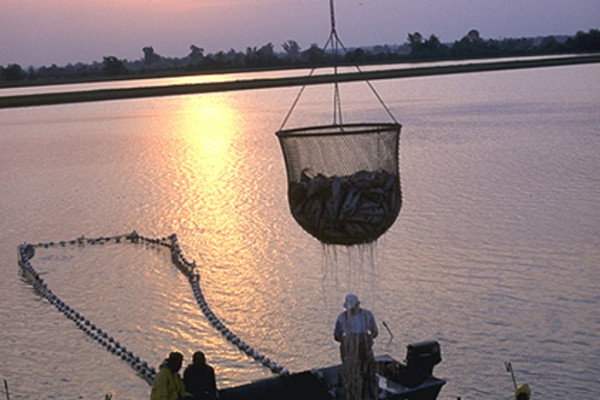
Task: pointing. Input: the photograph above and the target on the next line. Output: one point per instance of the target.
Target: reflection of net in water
(343, 179)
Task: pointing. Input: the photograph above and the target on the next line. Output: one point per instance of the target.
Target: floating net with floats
(343, 179)
(27, 251)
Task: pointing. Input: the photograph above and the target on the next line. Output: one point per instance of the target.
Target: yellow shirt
(168, 386)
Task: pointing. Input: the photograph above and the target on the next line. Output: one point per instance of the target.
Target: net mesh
(343, 180)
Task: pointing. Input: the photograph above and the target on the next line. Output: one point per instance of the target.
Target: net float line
(26, 252)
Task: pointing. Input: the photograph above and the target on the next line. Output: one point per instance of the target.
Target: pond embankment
(30, 100)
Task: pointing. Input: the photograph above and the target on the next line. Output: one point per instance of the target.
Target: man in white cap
(355, 329)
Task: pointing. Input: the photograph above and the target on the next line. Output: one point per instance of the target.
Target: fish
(350, 203)
(350, 209)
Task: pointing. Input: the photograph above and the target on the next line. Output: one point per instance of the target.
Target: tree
(250, 58)
(150, 57)
(235, 58)
(292, 50)
(473, 36)
(196, 53)
(585, 41)
(31, 73)
(434, 48)
(513, 47)
(549, 44)
(112, 66)
(471, 45)
(415, 41)
(266, 55)
(355, 55)
(12, 72)
(314, 54)
(220, 59)
(426, 48)
(379, 50)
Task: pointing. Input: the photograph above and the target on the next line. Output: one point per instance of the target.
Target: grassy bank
(31, 100)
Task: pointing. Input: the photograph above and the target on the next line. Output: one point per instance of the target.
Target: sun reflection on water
(209, 132)
(209, 128)
(219, 213)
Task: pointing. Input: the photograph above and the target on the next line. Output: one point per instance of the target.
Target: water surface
(495, 253)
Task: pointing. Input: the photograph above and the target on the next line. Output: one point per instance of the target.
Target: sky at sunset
(46, 32)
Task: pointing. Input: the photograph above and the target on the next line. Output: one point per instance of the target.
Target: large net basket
(343, 180)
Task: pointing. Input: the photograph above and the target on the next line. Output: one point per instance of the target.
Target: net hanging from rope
(343, 179)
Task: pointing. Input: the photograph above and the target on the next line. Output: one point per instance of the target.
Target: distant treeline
(417, 48)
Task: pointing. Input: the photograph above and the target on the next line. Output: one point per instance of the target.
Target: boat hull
(326, 384)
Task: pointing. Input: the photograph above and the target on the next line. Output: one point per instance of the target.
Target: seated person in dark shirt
(199, 378)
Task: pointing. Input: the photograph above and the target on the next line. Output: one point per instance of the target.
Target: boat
(409, 380)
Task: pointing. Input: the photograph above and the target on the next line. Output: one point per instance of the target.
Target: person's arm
(180, 387)
(373, 326)
(213, 383)
(338, 333)
(187, 378)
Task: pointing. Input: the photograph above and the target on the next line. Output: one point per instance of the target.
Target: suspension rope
(26, 251)
(385, 107)
(332, 15)
(334, 41)
(312, 71)
(333, 38)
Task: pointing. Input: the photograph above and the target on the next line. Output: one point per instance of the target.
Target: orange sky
(43, 32)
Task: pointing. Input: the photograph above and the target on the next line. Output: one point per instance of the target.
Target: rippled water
(495, 254)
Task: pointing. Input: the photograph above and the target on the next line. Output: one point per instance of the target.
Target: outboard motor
(421, 357)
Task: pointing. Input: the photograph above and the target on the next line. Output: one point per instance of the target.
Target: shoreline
(33, 100)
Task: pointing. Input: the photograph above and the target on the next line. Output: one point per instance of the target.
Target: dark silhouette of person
(199, 378)
(355, 329)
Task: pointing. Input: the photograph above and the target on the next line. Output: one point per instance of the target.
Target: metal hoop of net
(343, 181)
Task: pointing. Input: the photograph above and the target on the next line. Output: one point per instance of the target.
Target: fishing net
(343, 180)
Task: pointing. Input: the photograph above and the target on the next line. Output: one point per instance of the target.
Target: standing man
(199, 378)
(355, 329)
